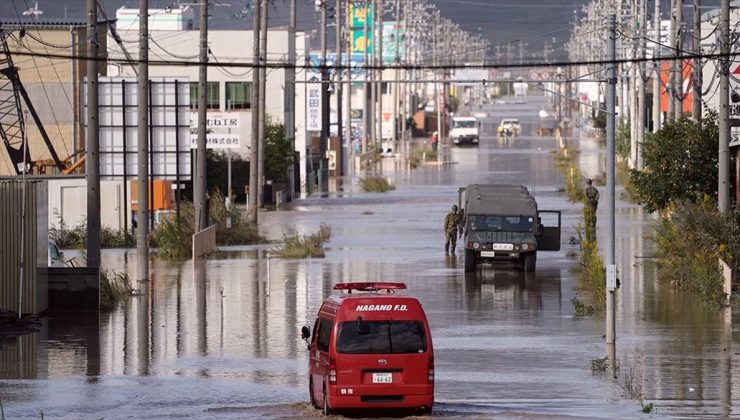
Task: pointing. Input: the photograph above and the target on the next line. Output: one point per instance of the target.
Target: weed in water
(581, 309)
(376, 184)
(304, 246)
(647, 408)
(604, 365)
(632, 382)
(114, 287)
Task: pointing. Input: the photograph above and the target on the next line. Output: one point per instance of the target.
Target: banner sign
(313, 114)
(217, 141)
(216, 120)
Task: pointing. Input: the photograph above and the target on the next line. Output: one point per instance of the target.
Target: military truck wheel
(469, 261)
(530, 262)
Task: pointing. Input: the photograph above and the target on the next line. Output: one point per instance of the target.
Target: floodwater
(220, 339)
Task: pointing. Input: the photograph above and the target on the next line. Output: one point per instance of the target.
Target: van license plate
(487, 254)
(382, 378)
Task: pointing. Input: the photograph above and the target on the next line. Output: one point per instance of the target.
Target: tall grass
(114, 287)
(592, 279)
(72, 237)
(173, 236)
(376, 184)
(690, 241)
(565, 162)
(304, 246)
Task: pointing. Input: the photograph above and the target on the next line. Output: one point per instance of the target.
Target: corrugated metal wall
(11, 227)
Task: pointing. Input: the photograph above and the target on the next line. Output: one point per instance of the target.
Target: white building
(229, 88)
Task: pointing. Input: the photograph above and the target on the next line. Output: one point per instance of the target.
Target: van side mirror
(61, 255)
(305, 333)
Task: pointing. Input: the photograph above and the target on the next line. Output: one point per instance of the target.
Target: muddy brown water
(216, 340)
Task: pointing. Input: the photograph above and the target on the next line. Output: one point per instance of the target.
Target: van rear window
(374, 337)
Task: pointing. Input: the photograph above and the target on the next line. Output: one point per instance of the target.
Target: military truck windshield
(463, 124)
(500, 223)
(381, 337)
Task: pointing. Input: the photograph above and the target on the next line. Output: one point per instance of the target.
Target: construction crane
(13, 124)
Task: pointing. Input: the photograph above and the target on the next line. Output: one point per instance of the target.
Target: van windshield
(463, 123)
(500, 223)
(388, 337)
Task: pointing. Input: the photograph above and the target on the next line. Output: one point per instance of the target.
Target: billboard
(687, 85)
(169, 131)
(360, 16)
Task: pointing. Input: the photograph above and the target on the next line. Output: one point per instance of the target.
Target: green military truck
(503, 225)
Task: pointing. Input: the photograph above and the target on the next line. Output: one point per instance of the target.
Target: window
(463, 123)
(501, 223)
(378, 337)
(324, 335)
(213, 96)
(238, 95)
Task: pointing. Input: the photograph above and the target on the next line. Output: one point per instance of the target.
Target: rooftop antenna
(34, 11)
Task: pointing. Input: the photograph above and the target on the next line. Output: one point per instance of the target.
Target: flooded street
(221, 339)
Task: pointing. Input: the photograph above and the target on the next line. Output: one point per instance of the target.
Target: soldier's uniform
(592, 201)
(452, 220)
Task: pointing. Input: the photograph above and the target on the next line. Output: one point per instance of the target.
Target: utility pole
(289, 99)
(367, 77)
(379, 85)
(199, 189)
(656, 65)
(348, 150)
(142, 143)
(325, 118)
(253, 208)
(672, 65)
(262, 102)
(338, 88)
(396, 75)
(93, 139)
(724, 109)
(696, 106)
(678, 63)
(641, 105)
(611, 271)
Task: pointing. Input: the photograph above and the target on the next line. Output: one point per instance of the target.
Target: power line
(464, 66)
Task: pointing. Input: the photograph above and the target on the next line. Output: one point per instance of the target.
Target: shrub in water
(304, 246)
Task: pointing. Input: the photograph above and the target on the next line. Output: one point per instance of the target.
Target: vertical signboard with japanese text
(313, 106)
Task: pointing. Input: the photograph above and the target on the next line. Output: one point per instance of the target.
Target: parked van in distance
(371, 349)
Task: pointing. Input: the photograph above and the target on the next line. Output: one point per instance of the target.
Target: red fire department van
(370, 350)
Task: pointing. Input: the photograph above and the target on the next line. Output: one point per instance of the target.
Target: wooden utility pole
(253, 208)
(199, 188)
(142, 146)
(92, 162)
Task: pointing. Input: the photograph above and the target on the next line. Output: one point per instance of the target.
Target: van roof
(501, 199)
(465, 118)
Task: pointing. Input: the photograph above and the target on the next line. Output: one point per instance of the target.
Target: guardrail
(204, 242)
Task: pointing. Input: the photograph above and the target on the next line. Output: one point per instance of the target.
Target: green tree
(680, 164)
(278, 152)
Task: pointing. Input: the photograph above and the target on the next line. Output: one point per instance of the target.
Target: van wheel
(327, 410)
(530, 262)
(310, 394)
(469, 261)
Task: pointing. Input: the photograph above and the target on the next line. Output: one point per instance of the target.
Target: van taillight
(332, 371)
(431, 371)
